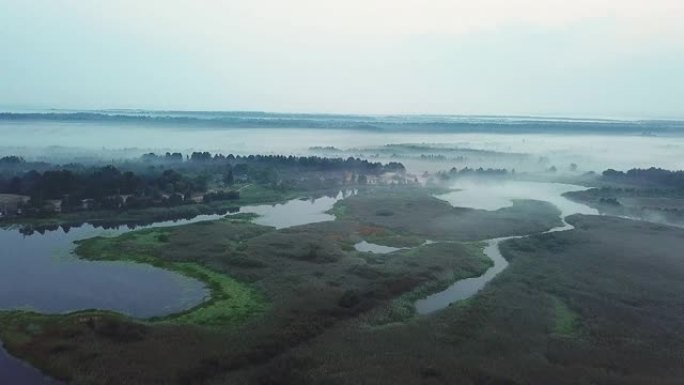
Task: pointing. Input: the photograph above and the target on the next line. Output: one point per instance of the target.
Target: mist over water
(111, 140)
(295, 212)
(494, 195)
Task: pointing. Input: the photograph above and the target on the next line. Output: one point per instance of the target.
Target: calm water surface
(367, 247)
(493, 196)
(296, 212)
(40, 272)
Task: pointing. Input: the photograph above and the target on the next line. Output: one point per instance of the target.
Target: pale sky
(592, 58)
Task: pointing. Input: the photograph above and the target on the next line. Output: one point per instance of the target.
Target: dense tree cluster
(10, 160)
(467, 171)
(103, 187)
(309, 162)
(171, 179)
(655, 176)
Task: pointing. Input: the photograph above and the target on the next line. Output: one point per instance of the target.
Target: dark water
(16, 372)
(465, 288)
(492, 197)
(39, 272)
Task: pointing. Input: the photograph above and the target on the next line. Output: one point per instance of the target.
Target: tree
(228, 179)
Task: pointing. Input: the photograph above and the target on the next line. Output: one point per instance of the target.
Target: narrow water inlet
(466, 288)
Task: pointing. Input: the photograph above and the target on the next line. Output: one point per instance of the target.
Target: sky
(574, 58)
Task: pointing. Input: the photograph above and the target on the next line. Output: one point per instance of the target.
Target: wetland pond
(296, 212)
(40, 272)
(367, 247)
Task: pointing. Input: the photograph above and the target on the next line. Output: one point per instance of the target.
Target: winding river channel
(40, 272)
(493, 196)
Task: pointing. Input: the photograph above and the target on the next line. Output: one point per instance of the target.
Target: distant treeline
(172, 179)
(652, 176)
(356, 122)
(307, 162)
(467, 171)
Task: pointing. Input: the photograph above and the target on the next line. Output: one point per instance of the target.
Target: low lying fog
(493, 195)
(534, 152)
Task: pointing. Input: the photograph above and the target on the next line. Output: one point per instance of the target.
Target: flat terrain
(600, 304)
(410, 211)
(597, 305)
(272, 290)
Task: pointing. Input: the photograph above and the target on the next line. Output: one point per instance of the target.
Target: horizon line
(579, 118)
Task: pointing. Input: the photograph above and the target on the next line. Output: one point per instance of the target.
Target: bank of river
(493, 196)
(40, 272)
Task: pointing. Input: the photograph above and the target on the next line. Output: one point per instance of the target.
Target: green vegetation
(440, 256)
(569, 309)
(250, 194)
(653, 195)
(163, 187)
(270, 292)
(646, 203)
(566, 319)
(598, 304)
(231, 302)
(410, 211)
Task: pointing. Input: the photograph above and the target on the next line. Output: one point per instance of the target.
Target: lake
(40, 272)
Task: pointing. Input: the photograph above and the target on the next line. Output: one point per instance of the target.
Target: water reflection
(38, 271)
(366, 247)
(14, 371)
(493, 196)
(297, 211)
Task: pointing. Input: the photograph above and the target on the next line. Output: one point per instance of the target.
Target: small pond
(367, 247)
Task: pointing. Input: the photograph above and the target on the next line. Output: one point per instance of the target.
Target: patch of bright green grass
(339, 210)
(566, 320)
(231, 302)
